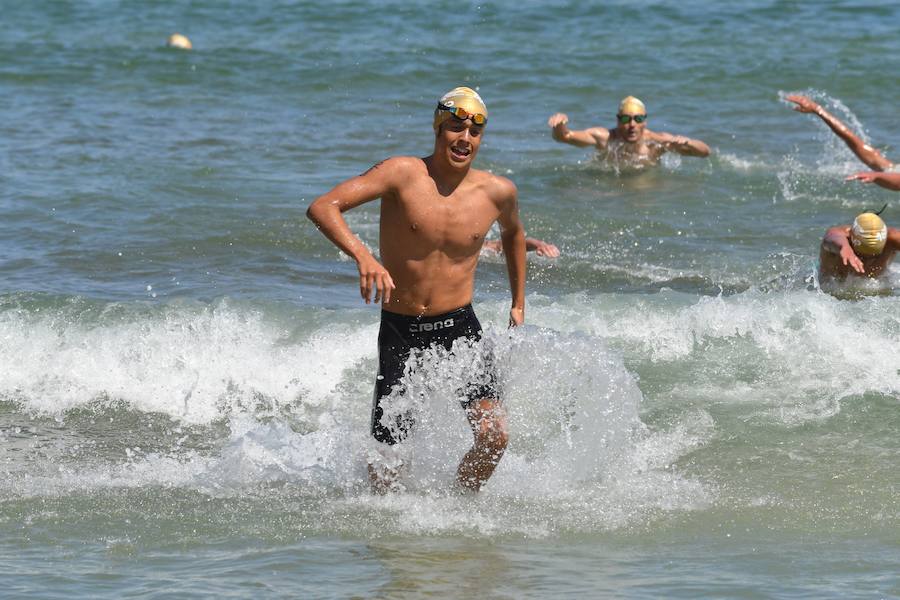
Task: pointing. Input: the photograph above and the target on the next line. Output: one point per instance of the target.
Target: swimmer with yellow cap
(176, 40)
(462, 103)
(864, 248)
(435, 213)
(629, 143)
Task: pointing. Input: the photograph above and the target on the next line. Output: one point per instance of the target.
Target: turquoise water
(186, 368)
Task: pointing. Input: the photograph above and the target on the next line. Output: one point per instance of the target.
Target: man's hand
(849, 257)
(516, 316)
(557, 119)
(889, 181)
(373, 276)
(864, 177)
(542, 248)
(559, 124)
(679, 141)
(804, 104)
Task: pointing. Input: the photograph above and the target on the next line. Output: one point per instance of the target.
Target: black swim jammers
(402, 335)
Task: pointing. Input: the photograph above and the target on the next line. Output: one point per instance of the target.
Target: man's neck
(620, 138)
(446, 177)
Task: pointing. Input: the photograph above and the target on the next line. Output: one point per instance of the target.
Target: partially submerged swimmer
(863, 249)
(177, 40)
(630, 142)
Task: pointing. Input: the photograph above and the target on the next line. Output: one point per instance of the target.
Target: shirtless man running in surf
(435, 212)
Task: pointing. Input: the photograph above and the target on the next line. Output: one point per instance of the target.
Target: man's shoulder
(658, 136)
(497, 186)
(402, 164)
(600, 134)
(396, 170)
(893, 236)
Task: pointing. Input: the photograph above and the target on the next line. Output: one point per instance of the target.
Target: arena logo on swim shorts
(417, 327)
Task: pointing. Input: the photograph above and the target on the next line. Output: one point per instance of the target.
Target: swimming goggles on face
(462, 114)
(626, 119)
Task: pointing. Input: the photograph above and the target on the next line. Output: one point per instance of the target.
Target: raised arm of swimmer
(890, 181)
(327, 210)
(866, 153)
(594, 136)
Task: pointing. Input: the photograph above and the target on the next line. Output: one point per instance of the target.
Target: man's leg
(386, 469)
(488, 420)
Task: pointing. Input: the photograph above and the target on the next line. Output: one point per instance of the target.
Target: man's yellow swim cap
(868, 234)
(632, 106)
(460, 97)
(176, 40)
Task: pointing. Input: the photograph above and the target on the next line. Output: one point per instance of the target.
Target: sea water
(186, 367)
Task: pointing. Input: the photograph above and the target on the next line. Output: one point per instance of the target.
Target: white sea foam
(576, 436)
(191, 364)
(803, 351)
(579, 455)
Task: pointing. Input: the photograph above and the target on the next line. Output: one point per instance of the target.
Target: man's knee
(492, 433)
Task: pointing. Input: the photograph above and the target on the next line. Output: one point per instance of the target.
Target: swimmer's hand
(493, 246)
(558, 122)
(373, 276)
(849, 257)
(804, 104)
(889, 181)
(557, 119)
(516, 316)
(542, 248)
(864, 177)
(678, 141)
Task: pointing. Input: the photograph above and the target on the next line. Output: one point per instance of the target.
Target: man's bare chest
(454, 221)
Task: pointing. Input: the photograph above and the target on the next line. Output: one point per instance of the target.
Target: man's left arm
(512, 236)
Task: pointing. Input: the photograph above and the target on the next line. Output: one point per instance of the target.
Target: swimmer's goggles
(462, 114)
(626, 119)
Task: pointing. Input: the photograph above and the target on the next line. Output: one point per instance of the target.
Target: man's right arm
(890, 181)
(837, 241)
(327, 210)
(596, 136)
(864, 152)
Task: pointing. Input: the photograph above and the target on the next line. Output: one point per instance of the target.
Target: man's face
(628, 125)
(459, 140)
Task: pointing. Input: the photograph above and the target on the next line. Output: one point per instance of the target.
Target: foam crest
(195, 364)
(803, 351)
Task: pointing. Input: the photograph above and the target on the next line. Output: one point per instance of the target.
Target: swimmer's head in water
(868, 234)
(461, 103)
(632, 106)
(631, 119)
(176, 40)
